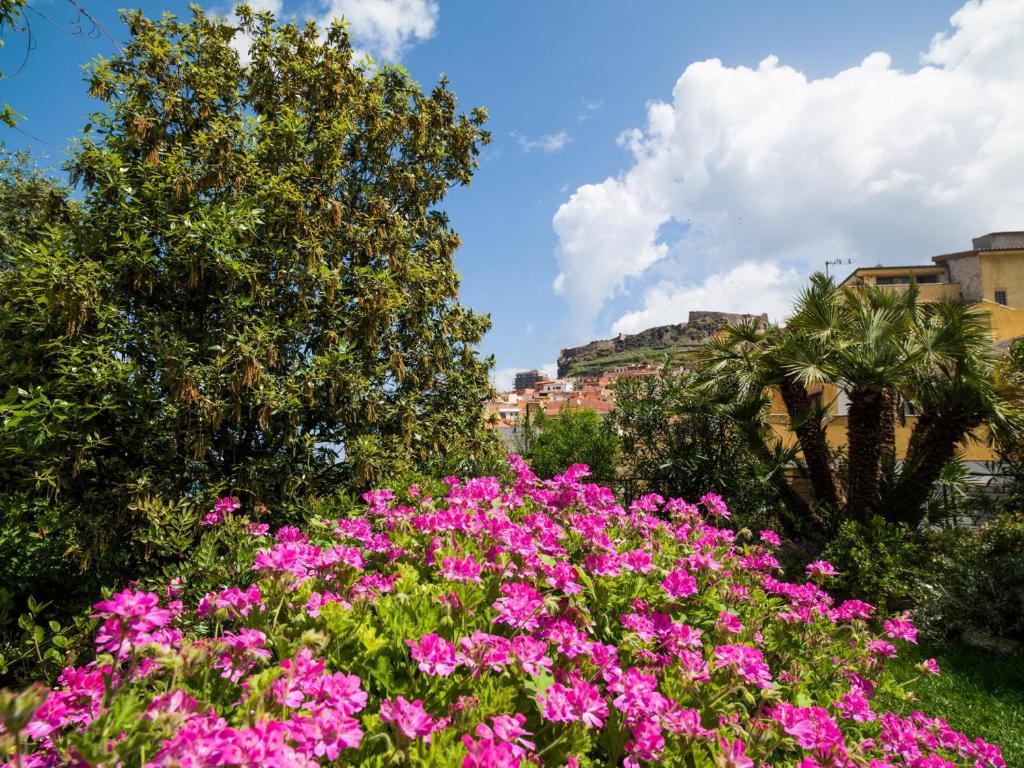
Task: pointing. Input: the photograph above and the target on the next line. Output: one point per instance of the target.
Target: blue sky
(632, 178)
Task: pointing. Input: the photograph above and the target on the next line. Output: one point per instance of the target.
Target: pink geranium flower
(900, 628)
(436, 656)
(734, 754)
(520, 606)
(221, 509)
(715, 505)
(729, 623)
(580, 701)
(130, 618)
(745, 661)
(409, 718)
(821, 568)
(487, 753)
(461, 568)
(679, 584)
(508, 729)
(532, 654)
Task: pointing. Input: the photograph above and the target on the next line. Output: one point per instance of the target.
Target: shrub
(534, 623)
(676, 442)
(976, 580)
(878, 561)
(575, 436)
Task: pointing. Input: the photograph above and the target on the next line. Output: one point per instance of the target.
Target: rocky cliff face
(647, 346)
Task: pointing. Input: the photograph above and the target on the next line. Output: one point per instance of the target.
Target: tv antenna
(835, 262)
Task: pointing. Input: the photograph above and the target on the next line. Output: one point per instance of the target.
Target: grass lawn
(979, 692)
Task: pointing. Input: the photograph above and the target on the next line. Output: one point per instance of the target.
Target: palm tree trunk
(865, 437)
(932, 445)
(810, 432)
(889, 401)
(801, 522)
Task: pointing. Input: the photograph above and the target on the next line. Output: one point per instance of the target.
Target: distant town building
(633, 372)
(555, 386)
(528, 379)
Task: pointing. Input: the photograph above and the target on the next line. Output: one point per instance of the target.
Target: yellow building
(932, 280)
(991, 275)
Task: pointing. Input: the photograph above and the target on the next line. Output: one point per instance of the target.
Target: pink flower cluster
(491, 626)
(224, 506)
(132, 619)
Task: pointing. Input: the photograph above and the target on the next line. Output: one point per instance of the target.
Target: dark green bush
(975, 580)
(878, 562)
(575, 436)
(676, 443)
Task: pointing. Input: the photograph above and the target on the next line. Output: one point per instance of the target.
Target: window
(1001, 296)
(906, 279)
(842, 403)
(816, 400)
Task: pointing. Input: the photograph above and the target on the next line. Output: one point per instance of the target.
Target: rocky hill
(678, 342)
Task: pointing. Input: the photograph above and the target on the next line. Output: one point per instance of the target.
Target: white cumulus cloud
(384, 28)
(765, 170)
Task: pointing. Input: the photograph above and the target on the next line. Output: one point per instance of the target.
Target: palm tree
(859, 341)
(956, 387)
(750, 358)
(745, 403)
(886, 352)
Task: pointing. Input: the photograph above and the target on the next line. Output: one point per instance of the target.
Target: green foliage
(42, 646)
(877, 561)
(975, 580)
(30, 202)
(37, 547)
(256, 294)
(575, 436)
(677, 443)
(525, 435)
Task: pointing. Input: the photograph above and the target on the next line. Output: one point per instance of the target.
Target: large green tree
(257, 291)
(30, 202)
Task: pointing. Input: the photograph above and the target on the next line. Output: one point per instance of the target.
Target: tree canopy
(574, 436)
(256, 293)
